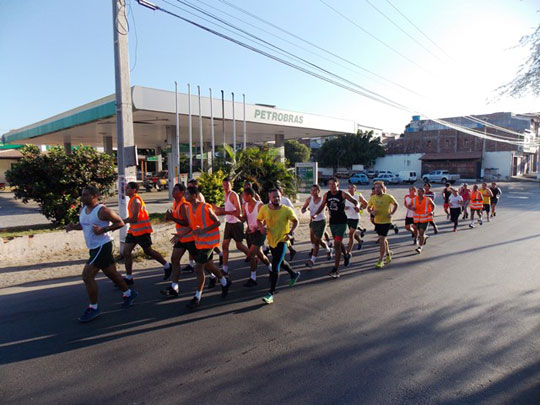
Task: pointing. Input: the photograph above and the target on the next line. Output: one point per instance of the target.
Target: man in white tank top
(409, 216)
(97, 222)
(317, 225)
(234, 229)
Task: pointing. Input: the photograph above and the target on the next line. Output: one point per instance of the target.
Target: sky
(58, 54)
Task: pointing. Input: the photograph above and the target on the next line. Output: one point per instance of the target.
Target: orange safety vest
(477, 200)
(177, 213)
(143, 224)
(201, 219)
(423, 210)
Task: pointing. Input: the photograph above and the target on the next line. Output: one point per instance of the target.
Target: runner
(204, 224)
(486, 199)
(379, 205)
(334, 199)
(288, 203)
(139, 233)
(254, 237)
(456, 204)
(476, 205)
(353, 218)
(446, 193)
(423, 213)
(465, 193)
(179, 216)
(234, 229)
(316, 225)
(430, 194)
(497, 192)
(409, 216)
(273, 221)
(97, 222)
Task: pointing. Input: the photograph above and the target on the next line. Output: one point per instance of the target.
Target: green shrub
(211, 187)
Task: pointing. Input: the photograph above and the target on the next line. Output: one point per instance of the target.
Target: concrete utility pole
(124, 107)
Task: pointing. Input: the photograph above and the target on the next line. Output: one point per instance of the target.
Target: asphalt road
(459, 323)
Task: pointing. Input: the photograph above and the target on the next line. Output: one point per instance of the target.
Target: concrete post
(67, 147)
(159, 161)
(172, 158)
(280, 141)
(107, 145)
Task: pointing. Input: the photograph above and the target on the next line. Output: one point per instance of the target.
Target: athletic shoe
(362, 232)
(425, 239)
(188, 269)
(419, 249)
(225, 288)
(167, 271)
(212, 283)
(480, 222)
(129, 281)
(193, 304)
(471, 225)
(396, 229)
(435, 230)
(128, 301)
(455, 229)
(169, 292)
(294, 278)
(359, 245)
(379, 264)
(330, 254)
(346, 259)
(268, 298)
(292, 253)
(388, 258)
(334, 273)
(89, 314)
(309, 264)
(250, 283)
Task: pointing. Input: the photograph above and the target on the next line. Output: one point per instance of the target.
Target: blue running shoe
(89, 314)
(128, 301)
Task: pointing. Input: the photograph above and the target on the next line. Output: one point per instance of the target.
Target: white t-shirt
(285, 201)
(350, 211)
(409, 201)
(313, 207)
(454, 201)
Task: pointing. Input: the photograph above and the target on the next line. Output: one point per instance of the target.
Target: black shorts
(409, 220)
(144, 240)
(487, 207)
(234, 231)
(203, 256)
(494, 201)
(256, 238)
(102, 257)
(422, 225)
(382, 229)
(189, 246)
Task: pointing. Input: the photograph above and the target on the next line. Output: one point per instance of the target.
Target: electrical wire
(130, 13)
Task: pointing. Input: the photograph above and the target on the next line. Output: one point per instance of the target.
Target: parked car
(159, 181)
(387, 179)
(440, 176)
(385, 172)
(407, 177)
(372, 173)
(342, 174)
(359, 178)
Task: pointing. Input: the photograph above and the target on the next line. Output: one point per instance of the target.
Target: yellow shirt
(381, 204)
(277, 223)
(486, 196)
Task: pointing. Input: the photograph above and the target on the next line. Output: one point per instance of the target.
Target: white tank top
(314, 207)
(252, 216)
(92, 240)
(409, 201)
(350, 211)
(229, 206)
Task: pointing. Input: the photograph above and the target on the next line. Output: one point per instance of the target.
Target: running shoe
(425, 239)
(388, 257)
(250, 283)
(471, 225)
(188, 269)
(225, 288)
(89, 314)
(330, 254)
(309, 264)
(455, 229)
(292, 253)
(268, 298)
(379, 264)
(419, 249)
(363, 232)
(193, 304)
(167, 271)
(480, 222)
(396, 229)
(169, 292)
(294, 278)
(128, 301)
(334, 273)
(346, 259)
(129, 281)
(212, 283)
(435, 230)
(359, 246)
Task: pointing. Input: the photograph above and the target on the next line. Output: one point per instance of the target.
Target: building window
(447, 142)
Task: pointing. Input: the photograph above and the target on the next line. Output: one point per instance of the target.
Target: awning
(452, 156)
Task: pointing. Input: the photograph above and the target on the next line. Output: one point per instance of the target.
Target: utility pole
(124, 108)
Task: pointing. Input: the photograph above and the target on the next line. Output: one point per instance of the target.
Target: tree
(55, 179)
(347, 150)
(296, 152)
(528, 76)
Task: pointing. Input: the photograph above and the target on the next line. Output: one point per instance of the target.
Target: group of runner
(197, 231)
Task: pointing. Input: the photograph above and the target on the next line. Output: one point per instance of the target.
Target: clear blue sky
(58, 54)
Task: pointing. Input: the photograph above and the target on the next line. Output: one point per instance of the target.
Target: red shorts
(446, 206)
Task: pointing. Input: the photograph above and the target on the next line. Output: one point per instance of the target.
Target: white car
(387, 178)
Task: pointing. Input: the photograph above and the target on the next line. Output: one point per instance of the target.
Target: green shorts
(203, 256)
(256, 238)
(338, 230)
(144, 240)
(102, 256)
(353, 223)
(318, 228)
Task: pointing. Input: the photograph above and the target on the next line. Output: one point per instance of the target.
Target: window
(447, 143)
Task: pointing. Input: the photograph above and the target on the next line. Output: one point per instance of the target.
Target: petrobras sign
(273, 116)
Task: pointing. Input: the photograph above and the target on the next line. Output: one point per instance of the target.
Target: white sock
(127, 293)
(191, 262)
(327, 249)
(254, 275)
(223, 281)
(129, 277)
(198, 295)
(269, 267)
(93, 306)
(313, 258)
(212, 275)
(174, 286)
(225, 268)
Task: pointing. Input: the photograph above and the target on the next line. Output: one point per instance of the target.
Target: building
(468, 155)
(8, 157)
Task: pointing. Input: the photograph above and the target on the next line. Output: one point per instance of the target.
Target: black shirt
(446, 193)
(336, 207)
